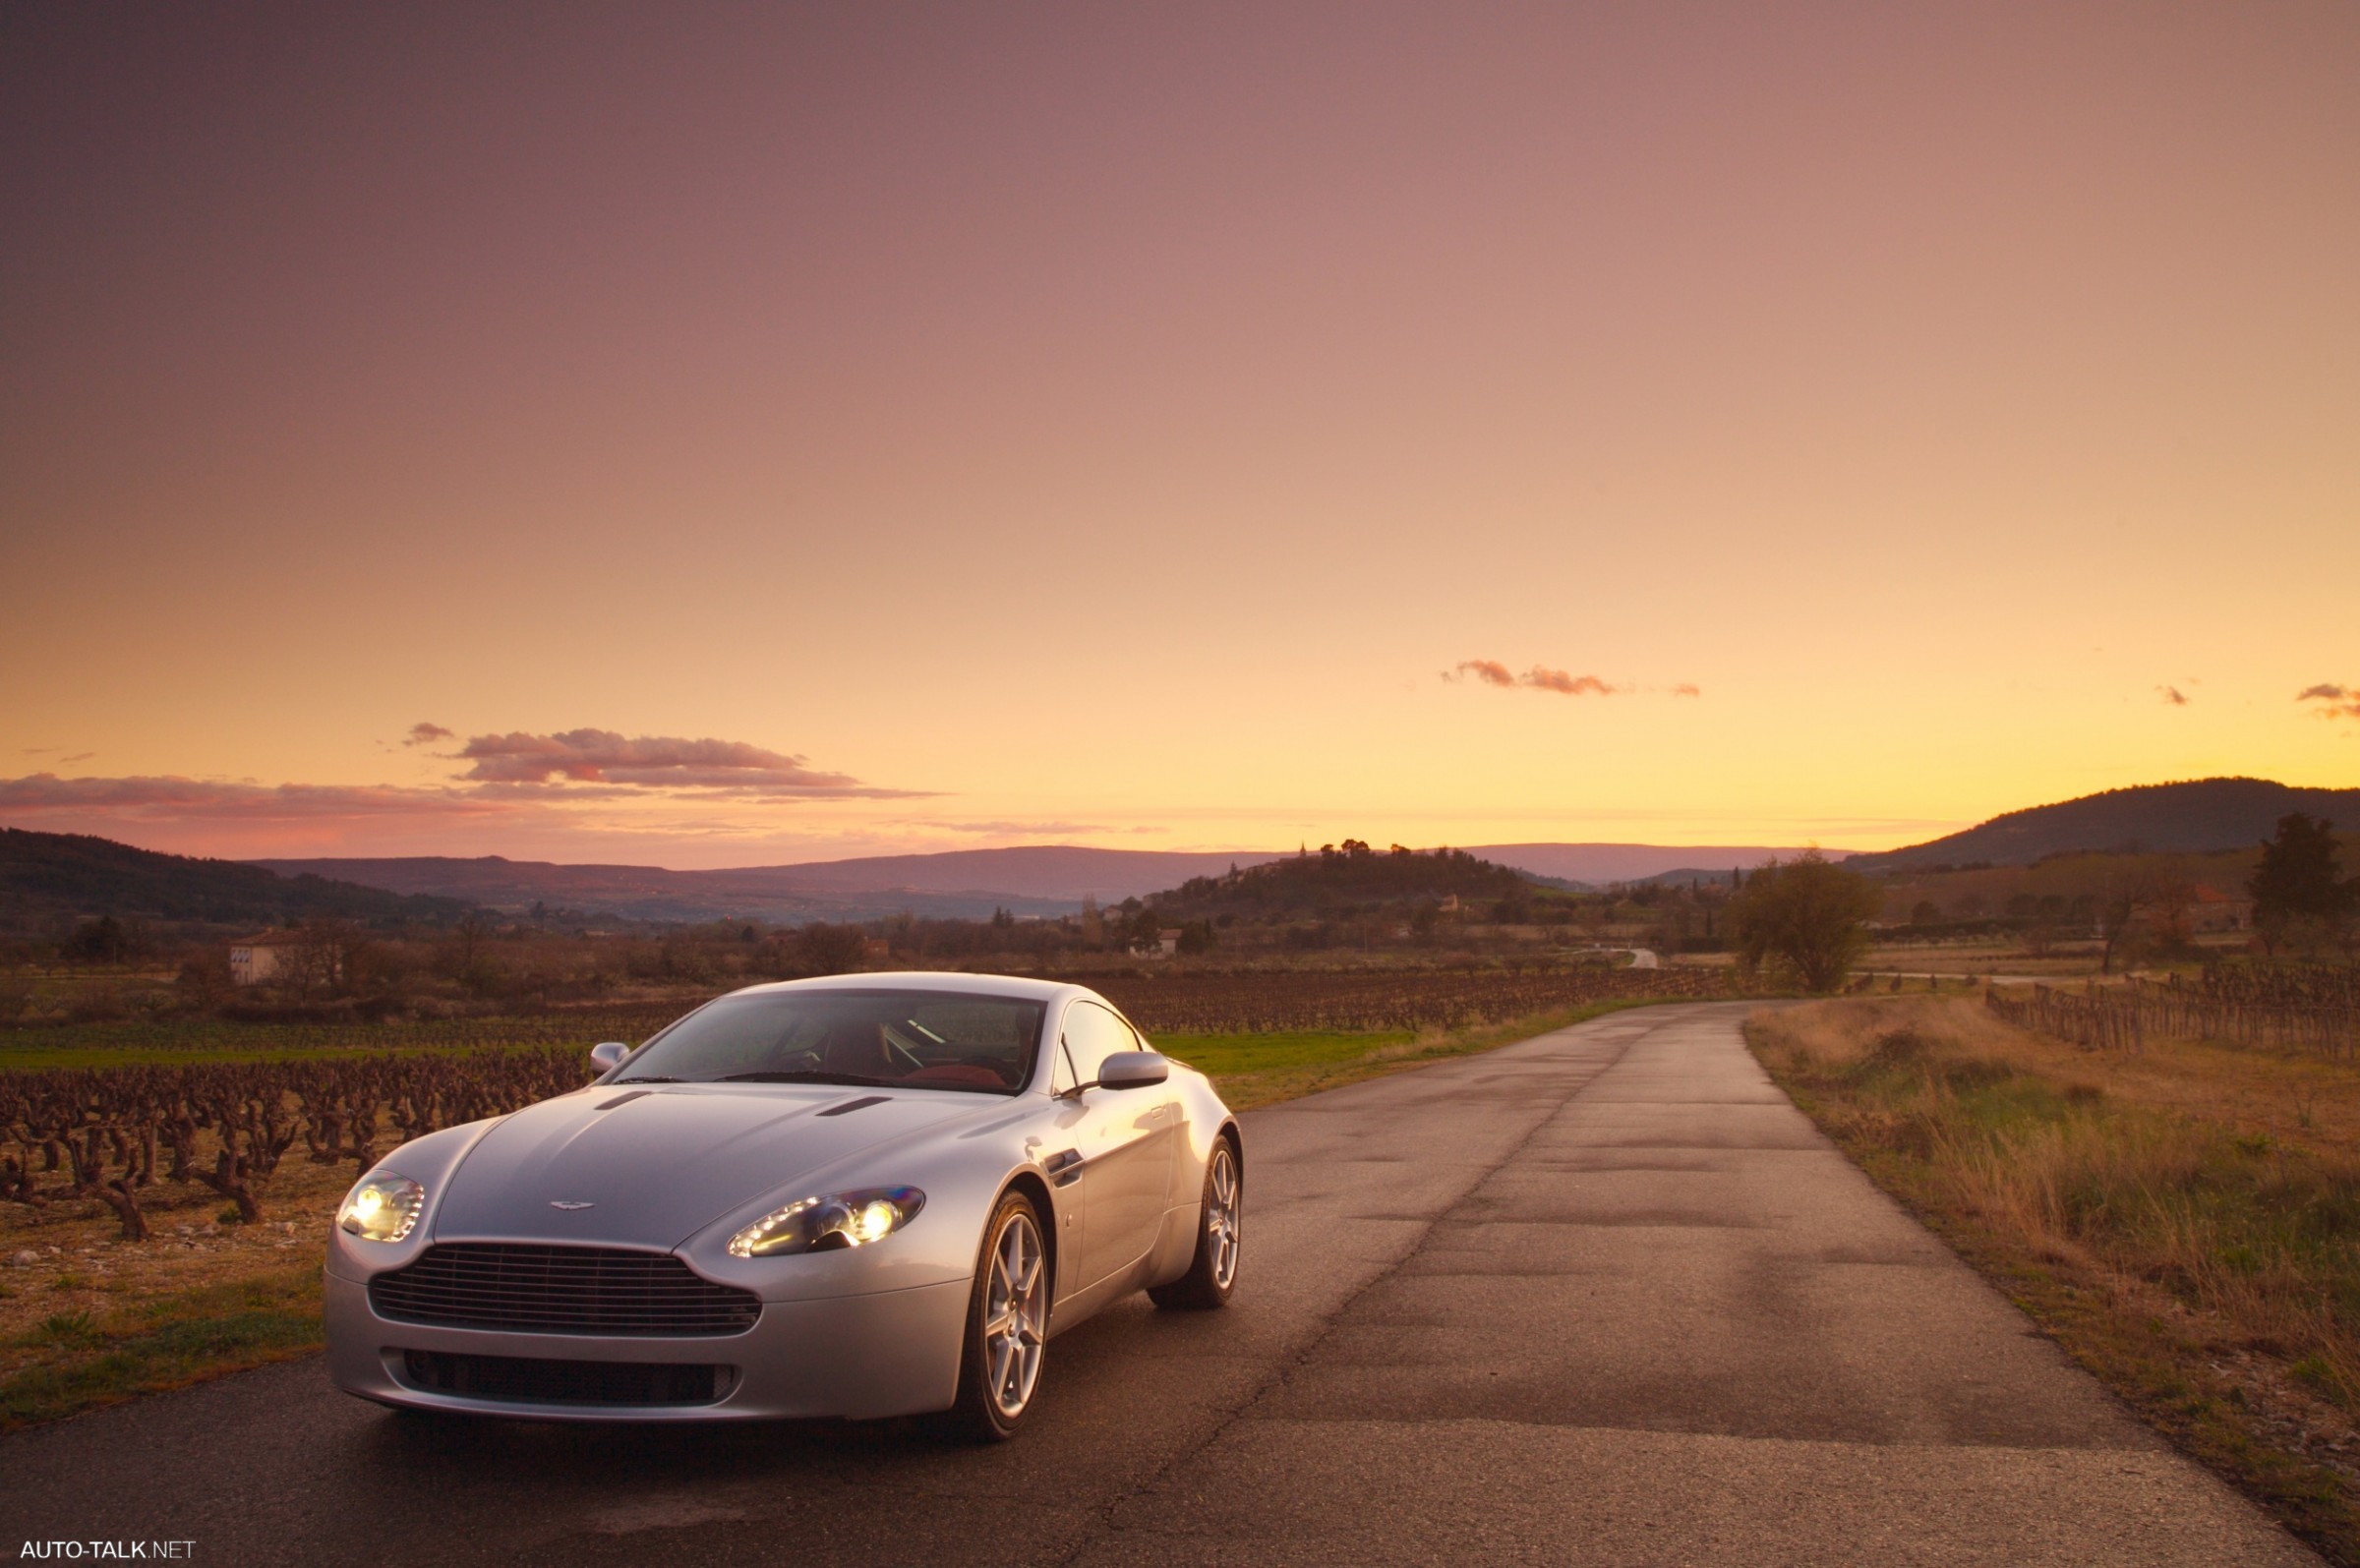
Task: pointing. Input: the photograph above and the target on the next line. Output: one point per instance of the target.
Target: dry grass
(2186, 1221)
(86, 1319)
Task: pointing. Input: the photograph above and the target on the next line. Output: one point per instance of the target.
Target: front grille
(560, 1290)
(523, 1382)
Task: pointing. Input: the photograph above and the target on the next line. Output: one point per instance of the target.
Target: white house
(261, 958)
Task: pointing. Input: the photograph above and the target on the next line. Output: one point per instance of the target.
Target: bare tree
(2169, 896)
(321, 958)
(2117, 909)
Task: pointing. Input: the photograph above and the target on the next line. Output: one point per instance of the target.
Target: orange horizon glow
(714, 439)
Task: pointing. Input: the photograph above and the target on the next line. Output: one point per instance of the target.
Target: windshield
(913, 1039)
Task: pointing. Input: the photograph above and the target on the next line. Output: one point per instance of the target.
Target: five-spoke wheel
(1213, 1272)
(1008, 1324)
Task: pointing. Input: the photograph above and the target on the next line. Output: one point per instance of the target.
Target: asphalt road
(1601, 1296)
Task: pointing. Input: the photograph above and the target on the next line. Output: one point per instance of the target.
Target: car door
(1124, 1138)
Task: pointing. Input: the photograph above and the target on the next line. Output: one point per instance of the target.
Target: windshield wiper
(854, 1079)
(651, 1078)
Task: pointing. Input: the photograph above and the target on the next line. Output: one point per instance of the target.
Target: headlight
(383, 1208)
(829, 1221)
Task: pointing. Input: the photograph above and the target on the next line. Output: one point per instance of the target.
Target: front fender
(429, 1161)
(963, 1179)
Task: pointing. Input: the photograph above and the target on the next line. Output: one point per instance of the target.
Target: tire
(1212, 1273)
(1007, 1327)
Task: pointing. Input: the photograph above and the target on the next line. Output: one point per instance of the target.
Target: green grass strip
(1257, 1069)
(165, 1343)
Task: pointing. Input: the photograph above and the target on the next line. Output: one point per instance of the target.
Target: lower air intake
(520, 1381)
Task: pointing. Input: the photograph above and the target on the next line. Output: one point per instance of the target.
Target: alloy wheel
(1015, 1314)
(1222, 1217)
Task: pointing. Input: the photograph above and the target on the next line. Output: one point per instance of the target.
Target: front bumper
(891, 1353)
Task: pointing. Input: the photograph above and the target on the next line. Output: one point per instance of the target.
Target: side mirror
(1133, 1070)
(608, 1056)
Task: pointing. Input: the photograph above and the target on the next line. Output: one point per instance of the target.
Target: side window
(1092, 1034)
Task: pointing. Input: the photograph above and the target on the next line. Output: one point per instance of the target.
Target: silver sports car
(860, 1196)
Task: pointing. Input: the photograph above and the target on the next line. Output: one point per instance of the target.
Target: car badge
(562, 1203)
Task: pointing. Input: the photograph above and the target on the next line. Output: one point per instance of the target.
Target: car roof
(1007, 985)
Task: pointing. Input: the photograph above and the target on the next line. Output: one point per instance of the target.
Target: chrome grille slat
(560, 1290)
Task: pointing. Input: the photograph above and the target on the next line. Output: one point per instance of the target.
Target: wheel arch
(1032, 1187)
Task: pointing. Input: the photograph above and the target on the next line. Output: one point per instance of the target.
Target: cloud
(1540, 677)
(2174, 696)
(2337, 701)
(512, 784)
(1564, 684)
(514, 777)
(168, 798)
(576, 757)
(1027, 828)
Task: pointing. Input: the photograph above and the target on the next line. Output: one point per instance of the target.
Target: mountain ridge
(56, 877)
(2189, 816)
(1026, 879)
(50, 876)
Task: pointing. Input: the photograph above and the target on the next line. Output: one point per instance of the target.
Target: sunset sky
(712, 435)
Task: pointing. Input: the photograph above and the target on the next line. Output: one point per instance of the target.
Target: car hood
(651, 1168)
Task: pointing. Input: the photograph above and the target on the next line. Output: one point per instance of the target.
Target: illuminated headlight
(383, 1208)
(829, 1221)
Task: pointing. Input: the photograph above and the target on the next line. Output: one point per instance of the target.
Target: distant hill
(1335, 882)
(1717, 876)
(50, 878)
(1033, 879)
(2190, 818)
(1600, 864)
(1043, 880)
(1032, 871)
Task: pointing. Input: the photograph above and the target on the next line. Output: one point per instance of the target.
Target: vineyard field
(1256, 1004)
(1249, 1002)
(192, 1040)
(201, 1173)
(2308, 1008)
(226, 1110)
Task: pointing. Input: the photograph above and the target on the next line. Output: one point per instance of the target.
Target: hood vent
(849, 1106)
